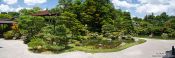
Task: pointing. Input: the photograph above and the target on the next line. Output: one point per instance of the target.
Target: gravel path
(151, 49)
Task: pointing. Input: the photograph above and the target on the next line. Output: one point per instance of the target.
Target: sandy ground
(151, 49)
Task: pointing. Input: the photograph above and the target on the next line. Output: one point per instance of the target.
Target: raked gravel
(151, 49)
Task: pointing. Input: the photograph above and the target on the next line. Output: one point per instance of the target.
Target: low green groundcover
(119, 48)
(38, 46)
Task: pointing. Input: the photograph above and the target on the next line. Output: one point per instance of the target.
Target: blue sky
(16, 5)
(137, 8)
(140, 8)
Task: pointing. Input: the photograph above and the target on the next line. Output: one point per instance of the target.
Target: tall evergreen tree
(97, 13)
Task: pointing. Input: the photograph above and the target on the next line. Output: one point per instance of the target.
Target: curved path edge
(151, 49)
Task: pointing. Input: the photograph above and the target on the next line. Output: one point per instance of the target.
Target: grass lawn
(89, 49)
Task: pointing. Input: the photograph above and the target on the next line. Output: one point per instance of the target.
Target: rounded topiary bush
(128, 39)
(164, 36)
(8, 35)
(40, 45)
(37, 44)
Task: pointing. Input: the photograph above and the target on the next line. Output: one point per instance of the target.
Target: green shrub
(93, 39)
(106, 44)
(164, 36)
(74, 42)
(115, 35)
(37, 43)
(5, 16)
(30, 26)
(55, 47)
(40, 45)
(172, 34)
(23, 32)
(3, 26)
(17, 35)
(108, 28)
(100, 42)
(103, 44)
(9, 34)
(128, 39)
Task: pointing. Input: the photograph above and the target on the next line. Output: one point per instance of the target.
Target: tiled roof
(42, 13)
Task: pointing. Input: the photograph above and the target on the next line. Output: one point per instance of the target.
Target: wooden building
(7, 23)
(44, 13)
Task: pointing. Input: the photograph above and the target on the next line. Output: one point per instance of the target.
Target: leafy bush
(40, 45)
(108, 28)
(104, 44)
(5, 16)
(172, 34)
(23, 32)
(62, 30)
(164, 36)
(115, 35)
(55, 47)
(60, 34)
(107, 44)
(31, 25)
(98, 41)
(37, 43)
(3, 26)
(50, 38)
(73, 43)
(9, 34)
(127, 39)
(17, 35)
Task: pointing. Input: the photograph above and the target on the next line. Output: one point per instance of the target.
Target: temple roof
(42, 13)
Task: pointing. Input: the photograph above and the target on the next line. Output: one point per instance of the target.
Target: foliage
(164, 36)
(26, 11)
(37, 43)
(3, 26)
(92, 23)
(127, 39)
(98, 41)
(58, 36)
(13, 14)
(170, 23)
(108, 28)
(172, 34)
(9, 34)
(90, 49)
(31, 25)
(160, 25)
(5, 16)
(41, 45)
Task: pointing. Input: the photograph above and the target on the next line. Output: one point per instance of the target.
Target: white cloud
(152, 8)
(154, 1)
(118, 3)
(33, 2)
(156, 6)
(5, 8)
(10, 1)
(18, 9)
(146, 6)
